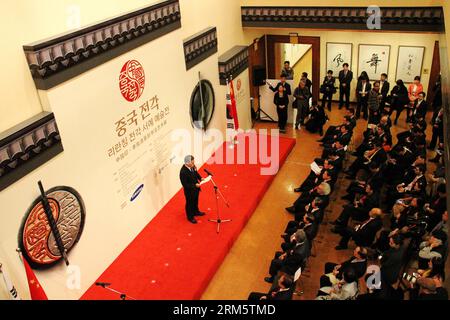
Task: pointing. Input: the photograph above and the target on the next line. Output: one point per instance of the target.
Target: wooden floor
(245, 267)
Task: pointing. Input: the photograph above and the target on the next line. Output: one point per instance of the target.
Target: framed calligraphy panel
(338, 54)
(409, 63)
(373, 59)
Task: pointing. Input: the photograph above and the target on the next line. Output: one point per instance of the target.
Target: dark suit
(359, 266)
(362, 98)
(364, 235)
(286, 86)
(344, 91)
(294, 259)
(391, 264)
(189, 178)
(360, 212)
(420, 110)
(328, 89)
(274, 294)
(384, 90)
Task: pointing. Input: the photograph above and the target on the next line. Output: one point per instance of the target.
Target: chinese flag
(36, 291)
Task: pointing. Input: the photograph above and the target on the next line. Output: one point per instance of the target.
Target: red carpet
(174, 259)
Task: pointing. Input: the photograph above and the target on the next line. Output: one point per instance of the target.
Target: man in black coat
(190, 179)
(363, 234)
(384, 89)
(289, 262)
(392, 260)
(282, 291)
(420, 106)
(358, 262)
(345, 79)
(359, 209)
(282, 83)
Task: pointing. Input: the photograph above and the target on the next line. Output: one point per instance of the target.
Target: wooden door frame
(315, 44)
(434, 73)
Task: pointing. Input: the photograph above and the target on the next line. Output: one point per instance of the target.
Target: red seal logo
(132, 80)
(239, 84)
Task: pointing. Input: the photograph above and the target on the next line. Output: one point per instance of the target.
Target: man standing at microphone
(190, 179)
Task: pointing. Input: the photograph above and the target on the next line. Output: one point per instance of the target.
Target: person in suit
(438, 130)
(334, 271)
(362, 95)
(360, 208)
(413, 94)
(345, 79)
(376, 155)
(301, 103)
(282, 291)
(190, 179)
(399, 99)
(288, 71)
(289, 261)
(384, 89)
(328, 89)
(345, 289)
(437, 101)
(308, 83)
(363, 234)
(317, 119)
(420, 107)
(373, 103)
(411, 187)
(286, 86)
(281, 101)
(392, 260)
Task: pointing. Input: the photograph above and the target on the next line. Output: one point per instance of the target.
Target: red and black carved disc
(36, 239)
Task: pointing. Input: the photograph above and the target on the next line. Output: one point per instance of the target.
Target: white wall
(86, 109)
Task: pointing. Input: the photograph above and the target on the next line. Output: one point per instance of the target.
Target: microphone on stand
(207, 171)
(103, 284)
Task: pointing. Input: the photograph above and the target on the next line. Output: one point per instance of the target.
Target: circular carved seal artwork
(36, 239)
(132, 80)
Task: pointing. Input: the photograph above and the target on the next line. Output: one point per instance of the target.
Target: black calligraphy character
(374, 61)
(338, 59)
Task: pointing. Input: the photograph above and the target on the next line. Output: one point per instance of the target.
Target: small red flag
(36, 291)
(233, 106)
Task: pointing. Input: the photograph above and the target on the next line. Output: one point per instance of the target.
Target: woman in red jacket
(413, 93)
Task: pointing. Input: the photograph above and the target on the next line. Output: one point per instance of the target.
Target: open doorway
(299, 57)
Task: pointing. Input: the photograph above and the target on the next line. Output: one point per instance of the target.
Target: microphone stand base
(219, 222)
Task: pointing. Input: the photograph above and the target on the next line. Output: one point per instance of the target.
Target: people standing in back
(345, 79)
(384, 89)
(308, 83)
(328, 89)
(288, 71)
(373, 103)
(362, 95)
(286, 86)
(437, 101)
(301, 103)
(281, 100)
(413, 94)
(399, 99)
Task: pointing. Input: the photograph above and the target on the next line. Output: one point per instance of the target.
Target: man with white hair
(190, 179)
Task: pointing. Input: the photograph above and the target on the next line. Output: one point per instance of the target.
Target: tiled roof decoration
(63, 57)
(349, 18)
(200, 46)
